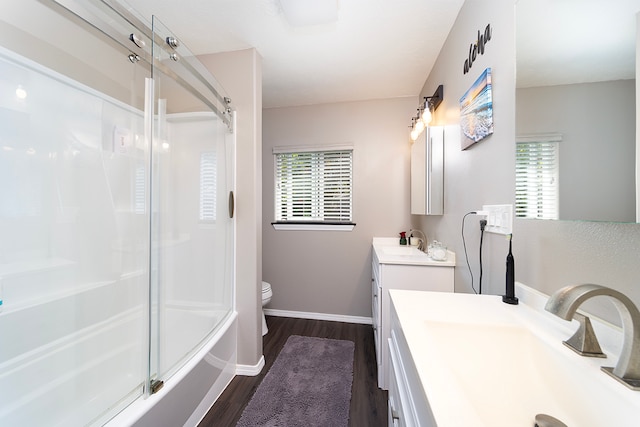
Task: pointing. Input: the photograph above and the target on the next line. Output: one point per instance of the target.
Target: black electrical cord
(465, 250)
(483, 224)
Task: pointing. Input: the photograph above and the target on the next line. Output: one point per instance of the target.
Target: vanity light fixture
(419, 122)
(419, 126)
(426, 113)
(431, 103)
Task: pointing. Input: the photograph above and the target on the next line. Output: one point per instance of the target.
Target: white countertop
(389, 251)
(485, 363)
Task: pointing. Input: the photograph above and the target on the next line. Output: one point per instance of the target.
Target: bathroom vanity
(471, 360)
(401, 267)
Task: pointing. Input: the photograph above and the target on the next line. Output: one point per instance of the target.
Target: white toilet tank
(266, 293)
(266, 298)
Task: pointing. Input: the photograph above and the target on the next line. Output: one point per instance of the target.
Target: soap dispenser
(403, 238)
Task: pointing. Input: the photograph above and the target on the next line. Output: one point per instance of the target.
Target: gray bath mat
(309, 384)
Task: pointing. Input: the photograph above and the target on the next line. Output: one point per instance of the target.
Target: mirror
(575, 65)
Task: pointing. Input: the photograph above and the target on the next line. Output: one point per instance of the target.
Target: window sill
(312, 226)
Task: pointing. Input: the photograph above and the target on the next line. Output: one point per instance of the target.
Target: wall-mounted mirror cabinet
(576, 88)
(427, 172)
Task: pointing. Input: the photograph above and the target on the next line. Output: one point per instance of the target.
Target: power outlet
(499, 218)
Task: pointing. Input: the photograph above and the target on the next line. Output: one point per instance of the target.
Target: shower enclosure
(116, 210)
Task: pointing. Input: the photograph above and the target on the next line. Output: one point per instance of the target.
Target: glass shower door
(74, 215)
(191, 229)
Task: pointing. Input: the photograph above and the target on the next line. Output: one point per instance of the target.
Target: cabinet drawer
(375, 306)
(393, 406)
(375, 288)
(375, 271)
(400, 413)
(377, 327)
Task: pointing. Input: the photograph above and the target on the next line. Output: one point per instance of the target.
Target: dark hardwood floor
(368, 402)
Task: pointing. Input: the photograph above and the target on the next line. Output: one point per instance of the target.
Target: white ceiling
(376, 49)
(385, 48)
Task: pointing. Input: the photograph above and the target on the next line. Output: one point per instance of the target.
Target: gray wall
(484, 173)
(329, 272)
(597, 153)
(548, 254)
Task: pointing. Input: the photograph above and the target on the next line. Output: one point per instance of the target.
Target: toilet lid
(266, 287)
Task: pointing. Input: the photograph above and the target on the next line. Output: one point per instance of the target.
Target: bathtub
(191, 391)
(55, 356)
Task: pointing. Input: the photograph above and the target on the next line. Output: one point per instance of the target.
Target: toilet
(266, 298)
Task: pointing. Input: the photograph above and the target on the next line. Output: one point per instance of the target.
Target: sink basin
(508, 375)
(485, 363)
(402, 251)
(389, 251)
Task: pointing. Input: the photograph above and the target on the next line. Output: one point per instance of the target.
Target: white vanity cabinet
(391, 270)
(407, 403)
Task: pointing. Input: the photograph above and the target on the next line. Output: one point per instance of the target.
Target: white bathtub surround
(481, 362)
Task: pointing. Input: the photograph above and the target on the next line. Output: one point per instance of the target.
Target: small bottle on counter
(403, 238)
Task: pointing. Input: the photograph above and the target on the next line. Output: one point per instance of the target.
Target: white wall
(330, 271)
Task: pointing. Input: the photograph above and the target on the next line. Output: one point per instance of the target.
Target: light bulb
(414, 135)
(419, 126)
(426, 115)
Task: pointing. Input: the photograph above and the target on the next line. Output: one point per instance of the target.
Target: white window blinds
(314, 186)
(537, 188)
(208, 186)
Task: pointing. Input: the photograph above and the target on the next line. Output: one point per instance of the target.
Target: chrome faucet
(566, 301)
(422, 245)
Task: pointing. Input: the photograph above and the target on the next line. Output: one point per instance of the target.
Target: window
(208, 183)
(314, 187)
(537, 176)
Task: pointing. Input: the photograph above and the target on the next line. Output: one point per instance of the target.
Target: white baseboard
(318, 316)
(250, 370)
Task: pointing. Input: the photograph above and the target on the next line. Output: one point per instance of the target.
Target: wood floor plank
(368, 402)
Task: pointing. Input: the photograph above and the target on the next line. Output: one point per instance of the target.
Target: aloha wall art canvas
(476, 111)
